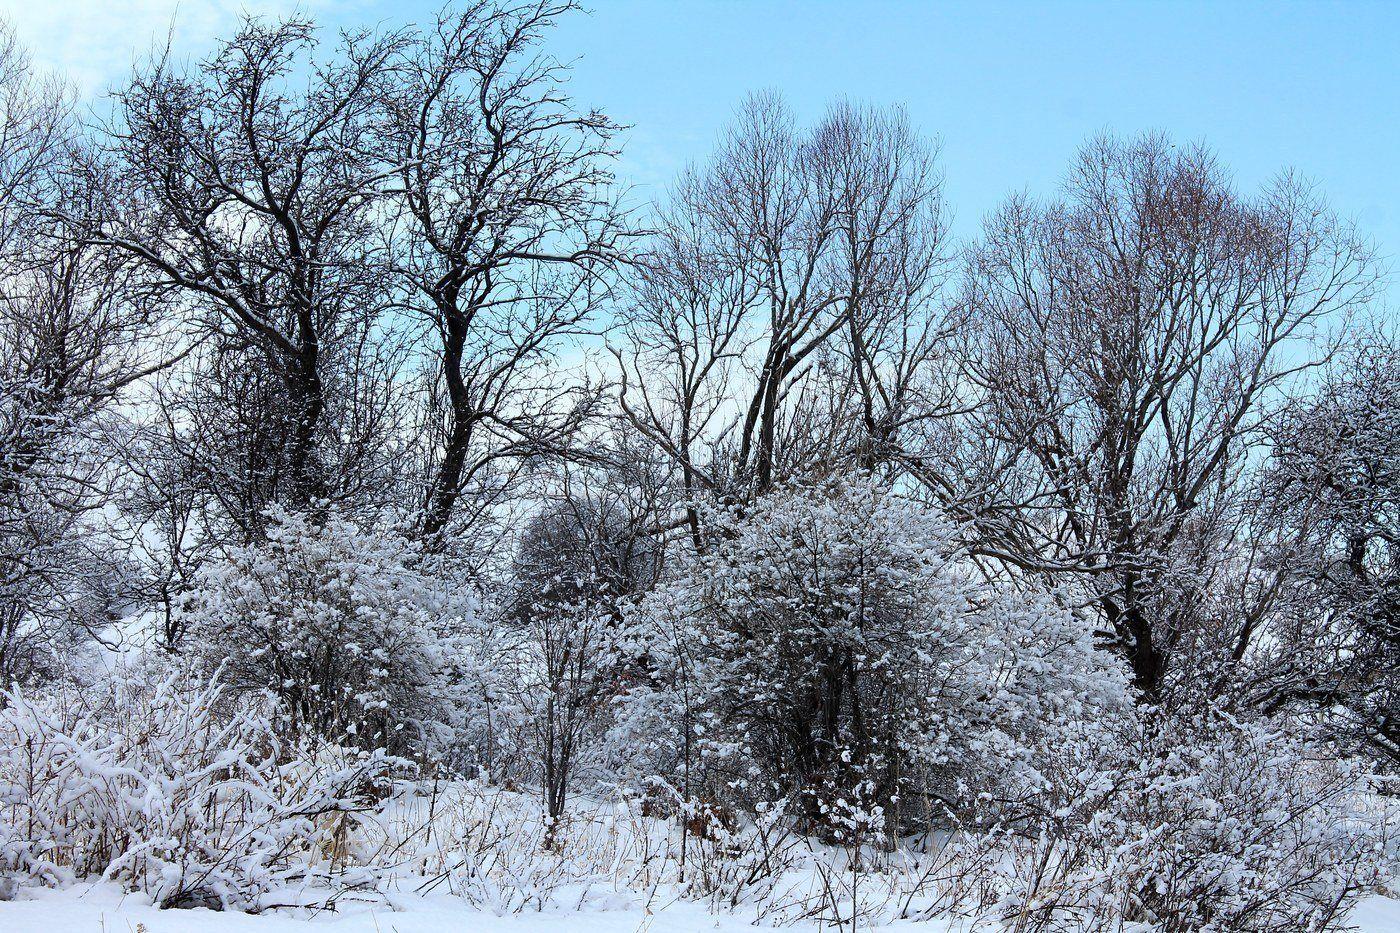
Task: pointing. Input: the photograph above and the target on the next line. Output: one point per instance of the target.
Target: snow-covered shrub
(1194, 823)
(175, 790)
(577, 562)
(831, 646)
(332, 619)
(488, 732)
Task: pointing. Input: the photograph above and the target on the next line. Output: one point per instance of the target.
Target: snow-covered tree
(832, 646)
(506, 233)
(1332, 497)
(245, 184)
(75, 333)
(1123, 381)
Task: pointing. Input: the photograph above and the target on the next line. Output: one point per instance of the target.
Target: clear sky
(1010, 89)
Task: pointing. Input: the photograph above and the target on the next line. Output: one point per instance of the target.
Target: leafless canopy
(1125, 346)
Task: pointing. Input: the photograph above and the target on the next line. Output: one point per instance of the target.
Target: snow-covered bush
(831, 646)
(174, 789)
(335, 621)
(529, 697)
(1194, 823)
(576, 563)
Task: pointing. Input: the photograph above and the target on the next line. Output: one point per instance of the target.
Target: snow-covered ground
(103, 908)
(1377, 915)
(611, 873)
(437, 856)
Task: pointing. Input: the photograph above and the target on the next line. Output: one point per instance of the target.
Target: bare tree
(253, 196)
(786, 317)
(75, 333)
(1329, 512)
(507, 228)
(1127, 345)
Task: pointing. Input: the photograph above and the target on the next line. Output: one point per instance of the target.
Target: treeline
(341, 369)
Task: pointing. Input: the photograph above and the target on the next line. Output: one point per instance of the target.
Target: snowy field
(475, 860)
(103, 908)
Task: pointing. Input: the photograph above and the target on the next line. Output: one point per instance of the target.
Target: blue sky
(1011, 89)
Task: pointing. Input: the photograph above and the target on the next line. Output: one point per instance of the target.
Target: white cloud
(95, 42)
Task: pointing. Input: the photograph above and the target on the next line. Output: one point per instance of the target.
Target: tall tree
(1128, 343)
(786, 316)
(249, 184)
(1331, 508)
(507, 229)
(74, 334)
